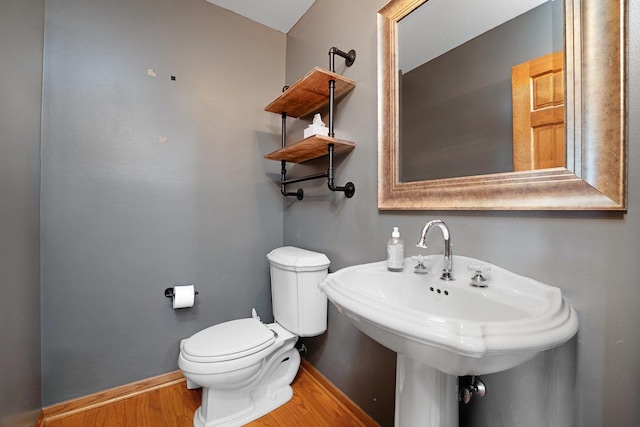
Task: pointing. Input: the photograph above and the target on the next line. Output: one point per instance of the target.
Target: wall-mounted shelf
(312, 92)
(310, 148)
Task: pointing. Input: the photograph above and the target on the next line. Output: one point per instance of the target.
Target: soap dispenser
(395, 251)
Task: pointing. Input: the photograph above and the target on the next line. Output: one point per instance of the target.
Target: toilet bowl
(246, 367)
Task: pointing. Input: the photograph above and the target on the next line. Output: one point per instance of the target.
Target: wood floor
(315, 403)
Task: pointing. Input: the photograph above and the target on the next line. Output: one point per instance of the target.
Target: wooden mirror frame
(595, 64)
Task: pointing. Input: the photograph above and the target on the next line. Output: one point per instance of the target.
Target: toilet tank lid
(296, 259)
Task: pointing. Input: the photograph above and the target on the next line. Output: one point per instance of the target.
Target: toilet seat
(228, 341)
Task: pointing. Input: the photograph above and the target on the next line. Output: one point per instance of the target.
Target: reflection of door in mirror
(538, 113)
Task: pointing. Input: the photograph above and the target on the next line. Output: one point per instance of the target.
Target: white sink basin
(451, 326)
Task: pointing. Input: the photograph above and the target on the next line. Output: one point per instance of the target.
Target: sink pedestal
(425, 396)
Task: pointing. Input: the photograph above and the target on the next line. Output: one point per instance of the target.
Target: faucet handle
(420, 267)
(479, 281)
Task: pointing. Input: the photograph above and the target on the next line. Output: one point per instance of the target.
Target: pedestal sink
(444, 329)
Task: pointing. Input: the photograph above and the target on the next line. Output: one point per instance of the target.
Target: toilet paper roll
(183, 296)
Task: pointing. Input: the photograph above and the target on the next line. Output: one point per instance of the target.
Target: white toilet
(245, 367)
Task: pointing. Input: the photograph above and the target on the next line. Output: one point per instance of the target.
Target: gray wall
(125, 215)
(21, 43)
(593, 257)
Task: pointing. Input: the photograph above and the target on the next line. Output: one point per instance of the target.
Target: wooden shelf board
(310, 93)
(310, 148)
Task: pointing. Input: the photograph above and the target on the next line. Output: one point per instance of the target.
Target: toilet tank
(298, 304)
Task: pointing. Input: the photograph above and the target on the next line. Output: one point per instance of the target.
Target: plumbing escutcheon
(465, 396)
(479, 389)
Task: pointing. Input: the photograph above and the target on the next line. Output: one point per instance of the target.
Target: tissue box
(316, 129)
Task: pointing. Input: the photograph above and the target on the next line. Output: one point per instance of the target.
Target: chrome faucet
(447, 264)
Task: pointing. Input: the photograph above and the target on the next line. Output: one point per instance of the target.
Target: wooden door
(538, 113)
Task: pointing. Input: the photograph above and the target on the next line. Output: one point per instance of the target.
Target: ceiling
(280, 15)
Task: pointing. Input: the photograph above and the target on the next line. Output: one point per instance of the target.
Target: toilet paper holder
(170, 294)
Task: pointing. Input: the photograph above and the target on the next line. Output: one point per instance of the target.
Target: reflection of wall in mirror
(456, 114)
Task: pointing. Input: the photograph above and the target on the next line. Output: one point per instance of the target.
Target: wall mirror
(584, 51)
